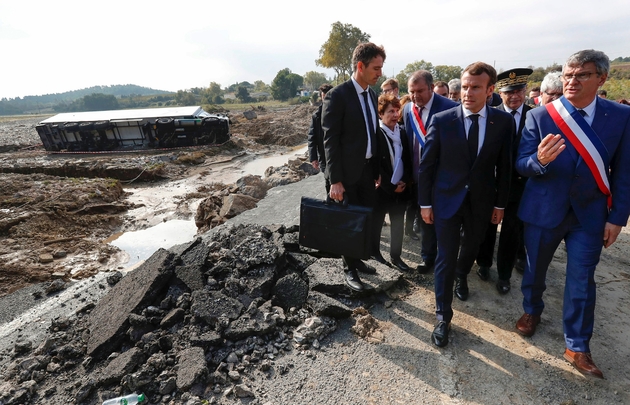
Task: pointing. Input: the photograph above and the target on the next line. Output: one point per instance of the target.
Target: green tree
(259, 86)
(185, 98)
(312, 80)
(213, 94)
(243, 95)
(403, 75)
(336, 53)
(100, 101)
(285, 84)
(446, 72)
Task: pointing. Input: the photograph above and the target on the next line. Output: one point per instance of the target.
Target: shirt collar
(427, 106)
(483, 113)
(590, 109)
(358, 87)
(519, 109)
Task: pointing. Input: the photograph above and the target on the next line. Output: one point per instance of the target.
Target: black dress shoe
(353, 281)
(379, 258)
(483, 272)
(400, 265)
(461, 288)
(503, 286)
(520, 265)
(425, 267)
(366, 268)
(440, 334)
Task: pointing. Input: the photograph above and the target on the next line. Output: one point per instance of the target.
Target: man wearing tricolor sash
(416, 116)
(576, 153)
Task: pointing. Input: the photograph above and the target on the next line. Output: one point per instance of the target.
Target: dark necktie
(513, 112)
(582, 113)
(473, 136)
(368, 111)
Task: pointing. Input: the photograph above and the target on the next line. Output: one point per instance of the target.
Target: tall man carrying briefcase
(349, 122)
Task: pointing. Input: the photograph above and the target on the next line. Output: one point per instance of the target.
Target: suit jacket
(446, 175)
(517, 185)
(316, 140)
(386, 170)
(439, 104)
(345, 134)
(567, 182)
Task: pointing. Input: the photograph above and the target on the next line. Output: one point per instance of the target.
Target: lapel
(600, 122)
(459, 121)
(490, 127)
(521, 123)
(599, 125)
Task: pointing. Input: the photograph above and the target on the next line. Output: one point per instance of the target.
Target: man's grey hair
(599, 58)
(455, 85)
(421, 75)
(552, 82)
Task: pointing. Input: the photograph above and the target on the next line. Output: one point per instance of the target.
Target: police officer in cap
(511, 252)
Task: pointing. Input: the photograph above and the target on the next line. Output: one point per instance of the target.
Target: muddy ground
(486, 361)
(58, 210)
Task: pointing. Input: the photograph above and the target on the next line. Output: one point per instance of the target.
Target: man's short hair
(325, 88)
(599, 58)
(365, 52)
(390, 82)
(441, 83)
(421, 75)
(455, 85)
(552, 82)
(602, 92)
(384, 100)
(479, 68)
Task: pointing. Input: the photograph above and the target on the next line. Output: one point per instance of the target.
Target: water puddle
(157, 207)
(140, 245)
(257, 167)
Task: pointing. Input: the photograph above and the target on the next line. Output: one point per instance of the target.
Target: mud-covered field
(56, 210)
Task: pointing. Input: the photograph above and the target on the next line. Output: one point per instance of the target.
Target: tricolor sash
(584, 140)
(416, 124)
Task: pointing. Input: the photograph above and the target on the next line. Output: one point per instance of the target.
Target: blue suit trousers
(583, 252)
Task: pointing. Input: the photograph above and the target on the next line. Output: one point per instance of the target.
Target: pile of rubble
(226, 202)
(193, 324)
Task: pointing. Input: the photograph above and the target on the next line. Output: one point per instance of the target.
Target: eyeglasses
(580, 77)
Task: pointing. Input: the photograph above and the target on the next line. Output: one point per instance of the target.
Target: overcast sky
(57, 46)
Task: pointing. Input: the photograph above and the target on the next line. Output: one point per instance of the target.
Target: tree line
(335, 54)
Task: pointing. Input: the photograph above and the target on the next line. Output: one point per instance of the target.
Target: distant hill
(47, 102)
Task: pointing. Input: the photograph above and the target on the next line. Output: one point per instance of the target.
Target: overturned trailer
(150, 128)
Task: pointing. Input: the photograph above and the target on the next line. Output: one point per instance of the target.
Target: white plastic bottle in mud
(131, 399)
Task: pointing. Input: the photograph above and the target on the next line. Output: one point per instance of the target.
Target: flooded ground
(72, 216)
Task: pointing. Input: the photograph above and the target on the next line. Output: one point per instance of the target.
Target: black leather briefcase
(338, 228)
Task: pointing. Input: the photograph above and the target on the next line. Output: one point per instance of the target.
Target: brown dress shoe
(526, 326)
(583, 362)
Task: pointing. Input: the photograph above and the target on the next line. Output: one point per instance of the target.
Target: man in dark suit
(425, 104)
(511, 84)
(316, 138)
(576, 153)
(464, 181)
(349, 122)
